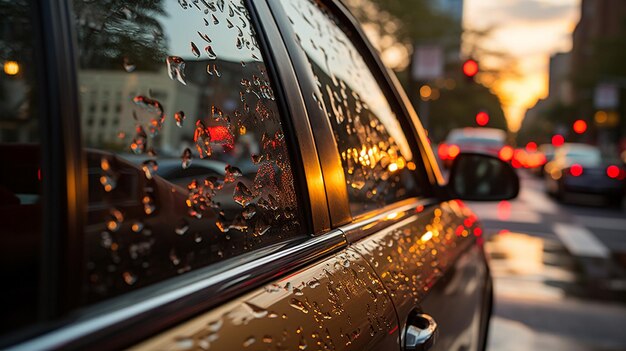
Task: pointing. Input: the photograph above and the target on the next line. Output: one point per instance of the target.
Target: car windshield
(476, 140)
(590, 157)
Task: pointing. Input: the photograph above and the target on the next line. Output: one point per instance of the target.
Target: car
(581, 168)
(490, 141)
(308, 213)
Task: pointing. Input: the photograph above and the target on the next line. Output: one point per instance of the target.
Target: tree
(129, 34)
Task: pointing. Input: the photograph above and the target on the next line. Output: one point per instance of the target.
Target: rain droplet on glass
(129, 66)
(194, 50)
(186, 158)
(176, 68)
(242, 195)
(180, 118)
(149, 168)
(210, 53)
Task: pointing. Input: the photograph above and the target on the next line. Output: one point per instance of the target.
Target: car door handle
(420, 332)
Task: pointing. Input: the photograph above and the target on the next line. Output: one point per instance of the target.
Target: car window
(188, 162)
(375, 153)
(20, 171)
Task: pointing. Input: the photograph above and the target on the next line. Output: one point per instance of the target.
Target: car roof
(491, 133)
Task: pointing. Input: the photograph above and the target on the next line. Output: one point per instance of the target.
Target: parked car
(581, 168)
(489, 141)
(329, 225)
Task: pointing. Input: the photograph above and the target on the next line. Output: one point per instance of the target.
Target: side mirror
(479, 177)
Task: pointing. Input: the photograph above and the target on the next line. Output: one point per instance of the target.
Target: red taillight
(443, 151)
(576, 170)
(453, 151)
(613, 171)
(506, 153)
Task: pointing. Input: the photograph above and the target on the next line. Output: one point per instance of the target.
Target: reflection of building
(108, 108)
(107, 104)
(600, 20)
(559, 83)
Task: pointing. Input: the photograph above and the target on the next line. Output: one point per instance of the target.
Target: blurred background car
(489, 141)
(581, 168)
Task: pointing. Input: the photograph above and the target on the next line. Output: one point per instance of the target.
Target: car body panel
(429, 260)
(336, 304)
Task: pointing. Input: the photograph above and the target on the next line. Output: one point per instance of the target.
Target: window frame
(428, 176)
(126, 319)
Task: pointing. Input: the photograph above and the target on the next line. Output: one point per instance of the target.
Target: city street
(558, 280)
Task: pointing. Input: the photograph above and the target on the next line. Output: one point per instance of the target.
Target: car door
(384, 192)
(242, 259)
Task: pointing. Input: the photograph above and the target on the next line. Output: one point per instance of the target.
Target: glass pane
(187, 158)
(20, 170)
(375, 154)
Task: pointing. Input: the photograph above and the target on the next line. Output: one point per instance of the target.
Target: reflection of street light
(11, 68)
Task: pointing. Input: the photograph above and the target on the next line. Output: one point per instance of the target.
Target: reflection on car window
(375, 154)
(188, 163)
(20, 166)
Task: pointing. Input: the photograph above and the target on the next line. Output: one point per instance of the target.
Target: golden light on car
(393, 215)
(427, 236)
(11, 68)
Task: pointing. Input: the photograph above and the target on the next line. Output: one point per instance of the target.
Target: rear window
(584, 157)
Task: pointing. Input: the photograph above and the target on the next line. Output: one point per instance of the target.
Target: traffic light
(579, 126)
(470, 68)
(482, 118)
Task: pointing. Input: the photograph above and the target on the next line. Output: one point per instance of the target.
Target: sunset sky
(531, 30)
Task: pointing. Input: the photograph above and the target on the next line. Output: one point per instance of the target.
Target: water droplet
(129, 66)
(137, 226)
(232, 173)
(302, 345)
(194, 50)
(297, 292)
(249, 341)
(148, 204)
(149, 168)
(298, 305)
(154, 106)
(138, 145)
(202, 138)
(176, 68)
(206, 23)
(174, 257)
(216, 325)
(249, 211)
(186, 158)
(257, 312)
(242, 195)
(215, 20)
(204, 37)
(182, 227)
(184, 343)
(180, 118)
(314, 283)
(210, 53)
(115, 220)
(267, 339)
(261, 227)
(129, 278)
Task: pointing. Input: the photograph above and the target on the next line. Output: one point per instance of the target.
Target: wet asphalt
(559, 271)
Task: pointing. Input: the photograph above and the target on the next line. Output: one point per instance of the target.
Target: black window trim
(332, 169)
(124, 320)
